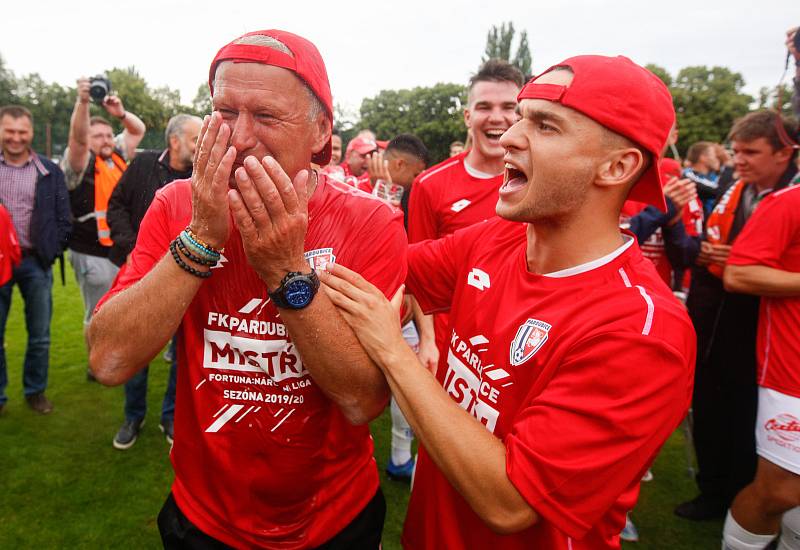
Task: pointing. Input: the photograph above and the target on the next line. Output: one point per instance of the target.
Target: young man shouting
(569, 361)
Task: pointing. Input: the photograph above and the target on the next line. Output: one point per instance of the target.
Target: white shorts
(778, 429)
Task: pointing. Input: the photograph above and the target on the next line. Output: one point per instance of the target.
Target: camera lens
(98, 89)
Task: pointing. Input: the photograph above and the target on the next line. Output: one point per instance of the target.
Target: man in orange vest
(93, 164)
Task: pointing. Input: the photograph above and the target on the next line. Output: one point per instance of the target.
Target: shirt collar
(32, 158)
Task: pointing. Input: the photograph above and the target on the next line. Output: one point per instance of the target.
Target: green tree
(434, 114)
(498, 46)
(202, 100)
(768, 99)
(7, 84)
(706, 100)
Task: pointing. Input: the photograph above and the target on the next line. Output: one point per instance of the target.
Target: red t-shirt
(771, 237)
(583, 377)
(445, 198)
(262, 457)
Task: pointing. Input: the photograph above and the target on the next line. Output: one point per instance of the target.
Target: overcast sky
(370, 46)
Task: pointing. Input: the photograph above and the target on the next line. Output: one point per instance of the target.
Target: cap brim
(648, 189)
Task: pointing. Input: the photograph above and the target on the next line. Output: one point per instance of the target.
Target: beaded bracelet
(204, 251)
(193, 236)
(173, 247)
(187, 241)
(193, 257)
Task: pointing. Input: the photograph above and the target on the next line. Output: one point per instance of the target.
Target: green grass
(62, 485)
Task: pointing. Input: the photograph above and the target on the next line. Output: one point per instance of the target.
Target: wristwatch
(296, 290)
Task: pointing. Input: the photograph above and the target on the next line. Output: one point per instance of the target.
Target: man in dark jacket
(149, 172)
(725, 393)
(32, 189)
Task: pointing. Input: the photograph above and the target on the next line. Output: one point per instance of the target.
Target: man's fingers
(337, 282)
(251, 198)
(282, 183)
(301, 189)
(397, 299)
(200, 137)
(341, 272)
(266, 190)
(340, 300)
(240, 215)
(208, 145)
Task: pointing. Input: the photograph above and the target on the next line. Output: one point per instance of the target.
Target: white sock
(736, 537)
(790, 530)
(402, 436)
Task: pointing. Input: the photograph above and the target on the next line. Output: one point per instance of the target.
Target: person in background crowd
(336, 149)
(551, 306)
(463, 190)
(404, 159)
(32, 190)
(702, 168)
(93, 164)
(725, 391)
(356, 158)
(275, 393)
(147, 173)
(790, 37)
(456, 148)
(765, 261)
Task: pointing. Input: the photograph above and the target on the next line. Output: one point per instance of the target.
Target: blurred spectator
(355, 165)
(463, 190)
(147, 173)
(790, 44)
(32, 190)
(93, 164)
(405, 157)
(765, 261)
(703, 169)
(456, 148)
(336, 148)
(725, 393)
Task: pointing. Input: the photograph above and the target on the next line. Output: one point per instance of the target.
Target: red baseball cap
(362, 145)
(625, 98)
(305, 61)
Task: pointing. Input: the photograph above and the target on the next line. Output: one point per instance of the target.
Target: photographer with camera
(93, 164)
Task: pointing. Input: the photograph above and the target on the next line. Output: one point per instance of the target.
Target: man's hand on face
(114, 106)
(378, 168)
(680, 192)
(213, 161)
(271, 213)
(83, 90)
(790, 43)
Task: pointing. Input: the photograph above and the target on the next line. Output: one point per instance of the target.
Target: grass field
(62, 485)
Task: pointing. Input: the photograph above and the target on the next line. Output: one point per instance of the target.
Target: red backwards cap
(307, 64)
(623, 97)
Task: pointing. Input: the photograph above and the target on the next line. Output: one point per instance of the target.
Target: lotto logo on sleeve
(530, 337)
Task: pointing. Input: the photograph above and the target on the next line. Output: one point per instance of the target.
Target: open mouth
(494, 136)
(514, 179)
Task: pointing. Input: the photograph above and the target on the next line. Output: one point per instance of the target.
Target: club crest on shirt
(320, 257)
(531, 336)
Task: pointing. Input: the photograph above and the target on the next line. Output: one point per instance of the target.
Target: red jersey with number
(582, 374)
(262, 457)
(444, 198)
(771, 237)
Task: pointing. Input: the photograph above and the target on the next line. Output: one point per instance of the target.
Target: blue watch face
(298, 293)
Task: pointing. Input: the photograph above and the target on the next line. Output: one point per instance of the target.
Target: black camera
(797, 39)
(99, 87)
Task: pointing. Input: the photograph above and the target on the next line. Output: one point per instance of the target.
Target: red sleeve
(151, 245)
(382, 258)
(421, 214)
(766, 235)
(596, 427)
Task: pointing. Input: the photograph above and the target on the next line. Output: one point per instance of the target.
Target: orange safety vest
(105, 180)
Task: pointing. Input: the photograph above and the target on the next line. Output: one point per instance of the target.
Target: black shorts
(363, 533)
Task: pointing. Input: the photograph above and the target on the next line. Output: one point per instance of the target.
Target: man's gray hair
(176, 124)
(268, 42)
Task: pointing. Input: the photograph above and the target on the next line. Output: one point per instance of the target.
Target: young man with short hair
(569, 361)
(463, 190)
